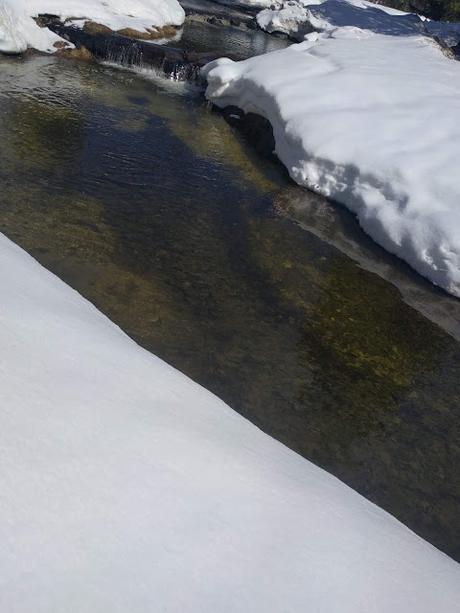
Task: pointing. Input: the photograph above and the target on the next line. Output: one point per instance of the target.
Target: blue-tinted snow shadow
(340, 14)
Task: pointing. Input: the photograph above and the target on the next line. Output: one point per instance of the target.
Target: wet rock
(92, 27)
(78, 53)
(219, 14)
(111, 46)
(60, 44)
(155, 34)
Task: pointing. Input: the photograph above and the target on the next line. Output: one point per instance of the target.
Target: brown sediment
(150, 34)
(92, 27)
(80, 53)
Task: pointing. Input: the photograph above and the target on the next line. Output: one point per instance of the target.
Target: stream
(151, 205)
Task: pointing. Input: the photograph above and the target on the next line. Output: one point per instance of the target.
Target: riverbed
(145, 200)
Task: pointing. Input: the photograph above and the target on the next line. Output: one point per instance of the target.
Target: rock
(180, 64)
(60, 44)
(153, 34)
(79, 53)
(91, 27)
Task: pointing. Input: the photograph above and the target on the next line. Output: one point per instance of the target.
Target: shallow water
(149, 204)
(235, 43)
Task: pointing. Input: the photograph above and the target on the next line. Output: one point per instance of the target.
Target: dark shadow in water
(155, 210)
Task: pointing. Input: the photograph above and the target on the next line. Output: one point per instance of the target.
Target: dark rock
(111, 46)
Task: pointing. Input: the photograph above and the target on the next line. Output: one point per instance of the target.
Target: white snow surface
(18, 30)
(124, 487)
(371, 121)
(292, 18)
(116, 14)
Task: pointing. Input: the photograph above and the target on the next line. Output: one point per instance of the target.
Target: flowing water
(148, 203)
(235, 43)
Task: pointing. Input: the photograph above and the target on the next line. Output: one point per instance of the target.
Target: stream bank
(162, 214)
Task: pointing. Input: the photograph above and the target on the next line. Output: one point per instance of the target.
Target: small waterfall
(171, 63)
(12, 39)
(175, 64)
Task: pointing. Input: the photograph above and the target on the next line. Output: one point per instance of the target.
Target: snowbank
(330, 14)
(297, 17)
(371, 121)
(126, 487)
(292, 18)
(449, 33)
(18, 30)
(115, 14)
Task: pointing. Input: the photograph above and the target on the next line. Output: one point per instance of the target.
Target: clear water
(235, 43)
(149, 204)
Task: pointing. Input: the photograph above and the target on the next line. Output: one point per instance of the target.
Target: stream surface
(235, 43)
(148, 203)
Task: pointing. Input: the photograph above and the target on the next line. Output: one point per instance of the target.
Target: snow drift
(18, 29)
(369, 120)
(126, 487)
(297, 17)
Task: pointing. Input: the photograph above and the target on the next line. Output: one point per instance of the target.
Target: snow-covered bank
(297, 17)
(18, 29)
(371, 121)
(126, 487)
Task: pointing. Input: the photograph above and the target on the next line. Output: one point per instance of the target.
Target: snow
(326, 15)
(371, 121)
(124, 486)
(330, 14)
(292, 19)
(127, 487)
(18, 30)
(297, 17)
(448, 32)
(116, 14)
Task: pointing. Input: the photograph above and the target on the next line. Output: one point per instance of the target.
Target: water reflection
(153, 208)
